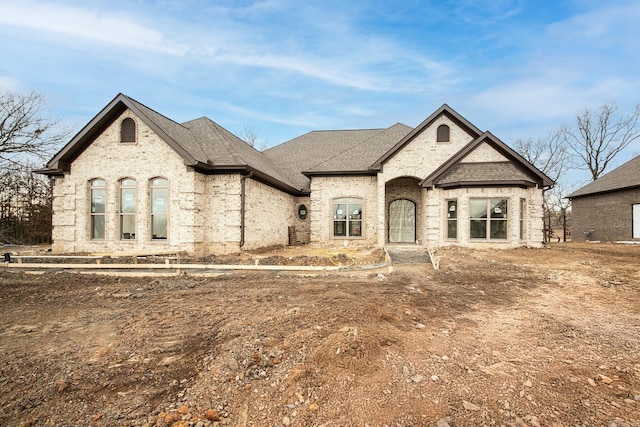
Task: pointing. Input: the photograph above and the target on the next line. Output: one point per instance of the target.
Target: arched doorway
(402, 221)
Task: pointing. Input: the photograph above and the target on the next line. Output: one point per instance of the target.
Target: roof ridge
(140, 104)
(224, 134)
(343, 130)
(350, 148)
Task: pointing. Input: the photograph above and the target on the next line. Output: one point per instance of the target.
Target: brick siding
(604, 217)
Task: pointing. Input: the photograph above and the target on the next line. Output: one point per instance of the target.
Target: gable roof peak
(487, 137)
(466, 125)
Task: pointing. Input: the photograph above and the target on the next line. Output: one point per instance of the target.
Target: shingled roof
(305, 152)
(517, 171)
(485, 173)
(622, 178)
(202, 143)
(209, 148)
(361, 156)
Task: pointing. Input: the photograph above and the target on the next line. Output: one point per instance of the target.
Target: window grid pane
(97, 209)
(97, 227)
(159, 208)
(488, 219)
(347, 218)
(452, 219)
(127, 209)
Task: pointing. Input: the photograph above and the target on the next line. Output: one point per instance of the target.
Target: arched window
(97, 201)
(443, 133)
(347, 217)
(128, 130)
(127, 208)
(159, 208)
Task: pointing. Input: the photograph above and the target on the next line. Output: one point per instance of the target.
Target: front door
(402, 221)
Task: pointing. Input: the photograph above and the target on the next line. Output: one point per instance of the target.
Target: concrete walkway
(408, 255)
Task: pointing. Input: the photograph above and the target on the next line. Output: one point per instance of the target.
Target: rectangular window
(97, 209)
(452, 219)
(347, 218)
(488, 219)
(523, 208)
(159, 208)
(127, 209)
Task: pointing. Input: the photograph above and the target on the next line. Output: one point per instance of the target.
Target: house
(135, 180)
(608, 209)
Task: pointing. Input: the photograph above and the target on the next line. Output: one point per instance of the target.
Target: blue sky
(282, 67)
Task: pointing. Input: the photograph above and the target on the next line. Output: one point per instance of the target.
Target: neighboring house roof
(202, 143)
(517, 171)
(623, 177)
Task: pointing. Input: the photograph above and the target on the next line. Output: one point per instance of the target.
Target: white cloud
(9, 84)
(304, 119)
(85, 25)
(331, 51)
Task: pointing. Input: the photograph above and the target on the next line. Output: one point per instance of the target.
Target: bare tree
(549, 155)
(601, 135)
(252, 137)
(24, 132)
(25, 197)
(25, 206)
(559, 208)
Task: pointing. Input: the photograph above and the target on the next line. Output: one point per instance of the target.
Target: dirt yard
(524, 337)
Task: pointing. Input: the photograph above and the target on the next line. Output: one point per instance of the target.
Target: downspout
(243, 196)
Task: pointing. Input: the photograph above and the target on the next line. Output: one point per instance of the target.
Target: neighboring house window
(635, 211)
(443, 133)
(523, 207)
(97, 209)
(128, 130)
(347, 217)
(127, 209)
(488, 219)
(159, 208)
(452, 219)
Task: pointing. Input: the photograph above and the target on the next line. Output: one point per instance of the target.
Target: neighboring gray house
(134, 180)
(608, 209)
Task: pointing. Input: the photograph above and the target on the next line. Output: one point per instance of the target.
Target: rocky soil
(522, 337)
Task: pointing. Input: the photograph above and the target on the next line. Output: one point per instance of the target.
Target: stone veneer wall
(436, 202)
(108, 159)
(217, 227)
(269, 214)
(423, 154)
(418, 159)
(325, 189)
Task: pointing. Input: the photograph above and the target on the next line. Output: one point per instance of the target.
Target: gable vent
(128, 130)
